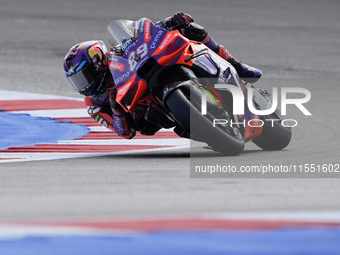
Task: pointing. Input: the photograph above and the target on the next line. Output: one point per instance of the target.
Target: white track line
(148, 142)
(17, 95)
(60, 113)
(24, 157)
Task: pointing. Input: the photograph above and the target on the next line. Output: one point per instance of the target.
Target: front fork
(249, 124)
(254, 123)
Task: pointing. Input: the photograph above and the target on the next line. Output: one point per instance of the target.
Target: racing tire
(274, 135)
(200, 127)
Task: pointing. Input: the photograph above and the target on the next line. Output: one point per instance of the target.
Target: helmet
(86, 67)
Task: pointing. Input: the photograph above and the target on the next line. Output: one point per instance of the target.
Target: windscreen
(119, 29)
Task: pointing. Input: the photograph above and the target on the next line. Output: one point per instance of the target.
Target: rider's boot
(245, 71)
(196, 32)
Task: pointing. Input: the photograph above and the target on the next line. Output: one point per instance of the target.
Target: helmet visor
(81, 81)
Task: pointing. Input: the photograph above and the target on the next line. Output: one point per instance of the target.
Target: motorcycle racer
(86, 68)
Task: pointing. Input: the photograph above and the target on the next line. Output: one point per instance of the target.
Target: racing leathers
(111, 115)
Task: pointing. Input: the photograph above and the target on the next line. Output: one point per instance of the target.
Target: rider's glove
(180, 20)
(122, 121)
(122, 125)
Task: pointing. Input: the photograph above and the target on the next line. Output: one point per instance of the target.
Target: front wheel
(224, 139)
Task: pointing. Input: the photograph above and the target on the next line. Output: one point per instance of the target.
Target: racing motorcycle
(180, 83)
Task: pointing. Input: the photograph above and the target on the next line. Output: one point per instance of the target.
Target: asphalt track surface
(294, 43)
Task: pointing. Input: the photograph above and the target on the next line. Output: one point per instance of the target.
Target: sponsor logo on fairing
(165, 41)
(147, 31)
(125, 87)
(126, 44)
(154, 42)
(122, 77)
(117, 66)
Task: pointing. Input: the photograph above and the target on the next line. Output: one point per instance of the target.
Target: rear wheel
(274, 136)
(185, 108)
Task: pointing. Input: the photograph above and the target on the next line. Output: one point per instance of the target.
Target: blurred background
(282, 38)
(294, 43)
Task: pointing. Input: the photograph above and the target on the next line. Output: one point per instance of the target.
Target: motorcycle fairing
(146, 48)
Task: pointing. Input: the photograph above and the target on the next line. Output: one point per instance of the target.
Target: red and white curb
(240, 221)
(99, 142)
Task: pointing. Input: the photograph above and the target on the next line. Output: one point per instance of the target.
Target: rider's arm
(185, 24)
(177, 21)
(123, 122)
(100, 113)
(104, 115)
